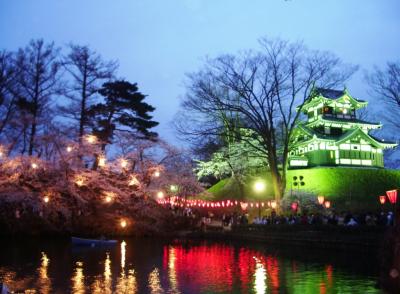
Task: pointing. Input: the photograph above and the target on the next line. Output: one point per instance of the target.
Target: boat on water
(92, 242)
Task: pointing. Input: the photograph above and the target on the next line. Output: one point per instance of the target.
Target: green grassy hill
(347, 188)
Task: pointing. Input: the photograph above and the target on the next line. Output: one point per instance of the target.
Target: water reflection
(126, 283)
(44, 282)
(154, 282)
(260, 284)
(78, 283)
(171, 270)
(178, 267)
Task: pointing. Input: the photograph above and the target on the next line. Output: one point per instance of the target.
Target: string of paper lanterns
(182, 202)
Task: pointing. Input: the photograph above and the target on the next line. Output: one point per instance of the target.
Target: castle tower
(333, 135)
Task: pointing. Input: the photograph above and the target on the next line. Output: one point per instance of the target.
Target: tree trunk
(82, 117)
(32, 137)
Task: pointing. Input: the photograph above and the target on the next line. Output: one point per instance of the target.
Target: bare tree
(88, 72)
(37, 82)
(386, 84)
(263, 89)
(7, 80)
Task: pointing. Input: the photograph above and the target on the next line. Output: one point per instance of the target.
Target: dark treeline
(50, 95)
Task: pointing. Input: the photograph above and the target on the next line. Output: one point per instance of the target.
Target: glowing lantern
(259, 186)
(243, 205)
(273, 204)
(91, 139)
(382, 199)
(34, 165)
(327, 204)
(133, 181)
(79, 181)
(109, 197)
(236, 203)
(262, 204)
(321, 200)
(160, 194)
(156, 174)
(69, 149)
(46, 199)
(123, 223)
(123, 163)
(174, 188)
(392, 195)
(294, 206)
(102, 161)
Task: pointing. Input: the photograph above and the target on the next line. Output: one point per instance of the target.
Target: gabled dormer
(331, 103)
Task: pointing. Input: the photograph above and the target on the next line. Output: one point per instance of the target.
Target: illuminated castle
(333, 135)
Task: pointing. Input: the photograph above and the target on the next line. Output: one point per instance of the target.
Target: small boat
(92, 242)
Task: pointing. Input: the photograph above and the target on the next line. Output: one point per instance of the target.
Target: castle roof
(314, 135)
(333, 94)
(332, 121)
(322, 96)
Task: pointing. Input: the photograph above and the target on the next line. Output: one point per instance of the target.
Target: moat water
(181, 266)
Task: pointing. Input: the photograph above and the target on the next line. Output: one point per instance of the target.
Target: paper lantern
(294, 206)
(243, 205)
(382, 199)
(392, 195)
(327, 204)
(321, 200)
(273, 204)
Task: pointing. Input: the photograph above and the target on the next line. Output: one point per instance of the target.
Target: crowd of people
(341, 219)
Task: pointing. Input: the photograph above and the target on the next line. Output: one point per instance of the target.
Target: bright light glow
(123, 223)
(259, 186)
(91, 139)
(321, 200)
(109, 196)
(273, 204)
(156, 174)
(46, 199)
(79, 181)
(123, 163)
(69, 149)
(123, 254)
(102, 161)
(133, 181)
(382, 199)
(34, 165)
(160, 195)
(260, 275)
(296, 162)
(174, 188)
(327, 204)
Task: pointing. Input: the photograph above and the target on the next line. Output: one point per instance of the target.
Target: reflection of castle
(333, 135)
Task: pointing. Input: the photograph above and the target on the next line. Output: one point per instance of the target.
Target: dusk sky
(157, 42)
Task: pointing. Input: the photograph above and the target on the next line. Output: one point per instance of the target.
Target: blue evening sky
(158, 41)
